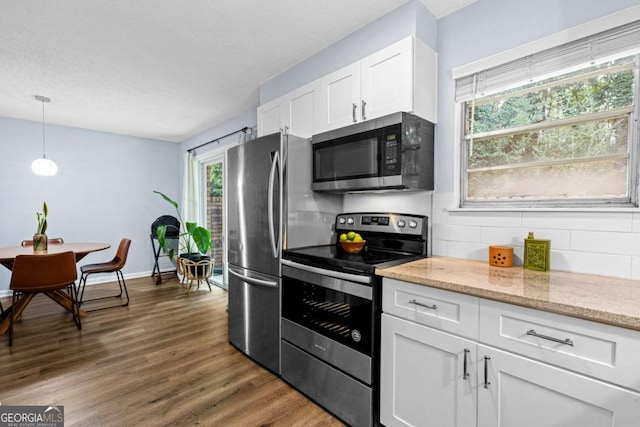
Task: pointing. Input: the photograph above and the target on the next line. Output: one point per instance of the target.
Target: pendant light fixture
(43, 166)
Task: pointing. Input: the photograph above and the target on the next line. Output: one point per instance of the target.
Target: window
(559, 128)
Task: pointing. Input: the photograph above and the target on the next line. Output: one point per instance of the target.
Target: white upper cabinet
(304, 110)
(340, 97)
(272, 117)
(400, 77)
(298, 111)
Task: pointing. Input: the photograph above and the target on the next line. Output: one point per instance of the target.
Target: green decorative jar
(537, 253)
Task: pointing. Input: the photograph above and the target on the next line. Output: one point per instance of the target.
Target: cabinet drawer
(600, 351)
(444, 310)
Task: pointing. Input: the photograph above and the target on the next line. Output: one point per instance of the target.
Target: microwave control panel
(391, 160)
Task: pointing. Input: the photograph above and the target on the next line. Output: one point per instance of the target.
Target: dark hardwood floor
(163, 360)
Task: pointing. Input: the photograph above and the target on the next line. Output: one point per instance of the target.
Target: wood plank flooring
(163, 360)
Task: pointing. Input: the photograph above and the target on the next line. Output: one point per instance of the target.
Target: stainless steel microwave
(393, 152)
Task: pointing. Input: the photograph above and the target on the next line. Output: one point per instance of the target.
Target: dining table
(8, 256)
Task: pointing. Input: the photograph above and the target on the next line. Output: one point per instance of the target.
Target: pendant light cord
(43, 99)
(44, 151)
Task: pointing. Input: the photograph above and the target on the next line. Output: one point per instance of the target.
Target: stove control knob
(342, 220)
(413, 224)
(401, 223)
(350, 221)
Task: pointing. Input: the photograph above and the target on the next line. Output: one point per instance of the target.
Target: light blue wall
(103, 190)
(392, 27)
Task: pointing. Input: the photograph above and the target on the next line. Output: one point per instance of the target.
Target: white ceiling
(163, 69)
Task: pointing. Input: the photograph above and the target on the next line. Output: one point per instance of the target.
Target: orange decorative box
(501, 256)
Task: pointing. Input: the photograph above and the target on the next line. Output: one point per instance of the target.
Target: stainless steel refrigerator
(271, 207)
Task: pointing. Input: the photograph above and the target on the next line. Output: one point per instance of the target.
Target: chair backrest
(42, 273)
(121, 254)
(172, 223)
(52, 241)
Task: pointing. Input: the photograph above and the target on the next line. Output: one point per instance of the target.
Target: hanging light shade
(43, 166)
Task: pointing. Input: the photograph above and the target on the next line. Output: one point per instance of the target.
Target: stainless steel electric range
(331, 305)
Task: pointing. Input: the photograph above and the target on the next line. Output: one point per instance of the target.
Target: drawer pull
(465, 373)
(414, 302)
(546, 337)
(486, 371)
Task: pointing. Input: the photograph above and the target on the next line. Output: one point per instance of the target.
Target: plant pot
(40, 243)
(195, 257)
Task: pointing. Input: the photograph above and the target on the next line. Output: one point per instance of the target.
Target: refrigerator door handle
(272, 178)
(253, 280)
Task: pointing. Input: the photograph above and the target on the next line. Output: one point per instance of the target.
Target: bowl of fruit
(351, 242)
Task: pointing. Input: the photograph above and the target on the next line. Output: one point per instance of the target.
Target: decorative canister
(501, 256)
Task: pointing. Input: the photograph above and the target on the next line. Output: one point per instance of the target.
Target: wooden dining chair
(114, 266)
(52, 241)
(34, 274)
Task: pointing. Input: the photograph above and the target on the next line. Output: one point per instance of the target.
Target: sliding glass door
(212, 173)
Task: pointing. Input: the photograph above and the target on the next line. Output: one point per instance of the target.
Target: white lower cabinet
(537, 378)
(520, 392)
(428, 377)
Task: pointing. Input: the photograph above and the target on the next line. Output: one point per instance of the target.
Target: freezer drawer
(337, 392)
(254, 316)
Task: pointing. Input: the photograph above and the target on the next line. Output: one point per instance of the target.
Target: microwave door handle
(272, 178)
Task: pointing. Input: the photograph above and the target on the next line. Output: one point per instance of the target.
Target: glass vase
(39, 243)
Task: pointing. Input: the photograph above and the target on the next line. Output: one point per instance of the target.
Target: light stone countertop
(601, 299)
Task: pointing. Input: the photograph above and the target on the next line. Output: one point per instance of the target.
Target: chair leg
(13, 312)
(75, 306)
(121, 283)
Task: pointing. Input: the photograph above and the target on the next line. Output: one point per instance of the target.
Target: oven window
(348, 159)
(342, 317)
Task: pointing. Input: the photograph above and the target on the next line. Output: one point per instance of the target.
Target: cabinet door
(387, 81)
(340, 97)
(272, 117)
(304, 110)
(526, 393)
(422, 381)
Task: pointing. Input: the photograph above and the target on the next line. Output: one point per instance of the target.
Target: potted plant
(40, 238)
(194, 241)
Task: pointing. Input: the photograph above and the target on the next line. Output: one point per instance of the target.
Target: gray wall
(103, 190)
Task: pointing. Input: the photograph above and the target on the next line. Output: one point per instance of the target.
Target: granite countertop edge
(602, 299)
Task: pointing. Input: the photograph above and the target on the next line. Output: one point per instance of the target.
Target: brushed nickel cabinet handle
(364, 116)
(465, 372)
(353, 112)
(486, 371)
(414, 302)
(546, 337)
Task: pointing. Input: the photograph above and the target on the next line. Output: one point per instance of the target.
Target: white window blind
(543, 64)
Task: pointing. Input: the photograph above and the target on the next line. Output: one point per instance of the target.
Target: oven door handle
(253, 280)
(335, 274)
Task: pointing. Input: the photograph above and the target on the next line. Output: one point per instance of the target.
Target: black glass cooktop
(334, 258)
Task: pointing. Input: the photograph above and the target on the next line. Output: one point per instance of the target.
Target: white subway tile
(635, 268)
(485, 219)
(595, 221)
(591, 263)
(467, 250)
(439, 248)
(606, 243)
(456, 233)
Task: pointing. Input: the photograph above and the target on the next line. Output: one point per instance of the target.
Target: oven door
(330, 317)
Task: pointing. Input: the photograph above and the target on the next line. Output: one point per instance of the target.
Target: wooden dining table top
(8, 254)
